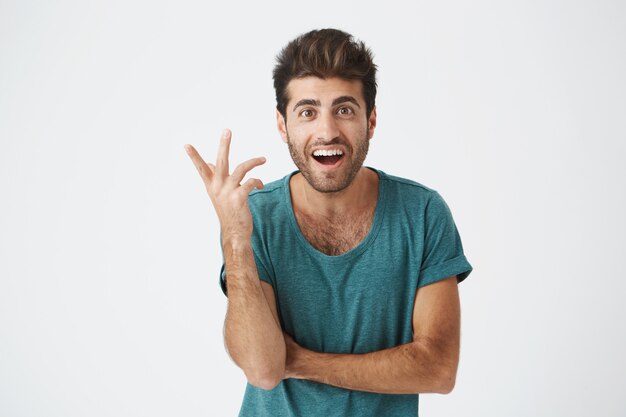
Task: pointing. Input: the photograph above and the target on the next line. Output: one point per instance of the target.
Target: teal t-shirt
(357, 302)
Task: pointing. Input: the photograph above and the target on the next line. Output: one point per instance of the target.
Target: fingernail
(225, 133)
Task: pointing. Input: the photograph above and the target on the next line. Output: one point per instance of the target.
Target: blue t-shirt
(357, 302)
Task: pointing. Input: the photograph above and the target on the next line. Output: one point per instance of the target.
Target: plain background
(109, 299)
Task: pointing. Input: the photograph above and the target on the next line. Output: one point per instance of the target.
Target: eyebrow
(317, 103)
(307, 102)
(346, 99)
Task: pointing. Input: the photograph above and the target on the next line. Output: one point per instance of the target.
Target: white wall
(109, 303)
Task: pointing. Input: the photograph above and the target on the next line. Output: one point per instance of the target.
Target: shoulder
(416, 203)
(405, 191)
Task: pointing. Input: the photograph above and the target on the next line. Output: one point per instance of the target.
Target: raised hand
(228, 195)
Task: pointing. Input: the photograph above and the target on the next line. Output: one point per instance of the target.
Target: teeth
(330, 152)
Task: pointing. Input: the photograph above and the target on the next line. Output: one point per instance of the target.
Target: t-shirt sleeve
(443, 254)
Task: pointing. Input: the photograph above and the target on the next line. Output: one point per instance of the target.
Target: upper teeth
(323, 152)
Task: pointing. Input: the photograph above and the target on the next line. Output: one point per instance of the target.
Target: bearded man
(341, 279)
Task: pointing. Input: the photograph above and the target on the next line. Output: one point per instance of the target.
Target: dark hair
(325, 53)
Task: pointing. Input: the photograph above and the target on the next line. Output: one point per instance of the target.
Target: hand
(228, 195)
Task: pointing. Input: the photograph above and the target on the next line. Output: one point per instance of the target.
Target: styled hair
(325, 53)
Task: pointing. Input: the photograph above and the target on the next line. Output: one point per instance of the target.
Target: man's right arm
(252, 332)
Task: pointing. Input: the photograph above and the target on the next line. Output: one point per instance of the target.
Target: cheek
(300, 129)
(359, 132)
(299, 134)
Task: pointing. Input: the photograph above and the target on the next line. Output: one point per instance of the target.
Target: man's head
(325, 90)
(325, 53)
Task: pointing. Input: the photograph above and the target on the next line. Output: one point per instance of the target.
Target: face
(327, 130)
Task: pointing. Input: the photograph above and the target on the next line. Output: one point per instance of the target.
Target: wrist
(303, 361)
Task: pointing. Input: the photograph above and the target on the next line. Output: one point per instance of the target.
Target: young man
(341, 279)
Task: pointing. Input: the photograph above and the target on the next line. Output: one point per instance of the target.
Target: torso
(359, 302)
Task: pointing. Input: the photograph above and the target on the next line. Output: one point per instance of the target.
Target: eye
(307, 113)
(345, 111)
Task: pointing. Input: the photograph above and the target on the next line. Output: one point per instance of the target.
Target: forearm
(406, 369)
(252, 335)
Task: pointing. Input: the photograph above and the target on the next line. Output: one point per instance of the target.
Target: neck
(360, 195)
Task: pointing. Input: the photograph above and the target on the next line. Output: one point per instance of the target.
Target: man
(341, 279)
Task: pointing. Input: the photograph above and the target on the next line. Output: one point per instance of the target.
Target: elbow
(445, 380)
(265, 384)
(266, 380)
(440, 383)
(266, 373)
(263, 371)
(265, 376)
(436, 369)
(446, 383)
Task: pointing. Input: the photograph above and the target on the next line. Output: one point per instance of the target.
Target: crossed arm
(428, 364)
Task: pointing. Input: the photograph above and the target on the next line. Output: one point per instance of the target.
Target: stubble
(330, 182)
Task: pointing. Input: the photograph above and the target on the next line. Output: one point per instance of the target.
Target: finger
(206, 172)
(221, 165)
(243, 168)
(251, 184)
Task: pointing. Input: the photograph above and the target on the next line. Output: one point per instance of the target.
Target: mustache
(334, 141)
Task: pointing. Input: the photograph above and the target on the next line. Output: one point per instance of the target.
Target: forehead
(324, 90)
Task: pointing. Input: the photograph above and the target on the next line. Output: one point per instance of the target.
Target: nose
(327, 127)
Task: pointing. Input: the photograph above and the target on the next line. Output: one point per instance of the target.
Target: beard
(330, 182)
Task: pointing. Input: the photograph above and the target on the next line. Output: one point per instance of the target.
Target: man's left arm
(427, 364)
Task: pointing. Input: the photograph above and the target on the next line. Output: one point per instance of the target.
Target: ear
(371, 122)
(281, 125)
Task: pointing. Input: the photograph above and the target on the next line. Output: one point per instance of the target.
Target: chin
(324, 184)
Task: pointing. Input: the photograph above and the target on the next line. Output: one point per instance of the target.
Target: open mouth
(328, 157)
